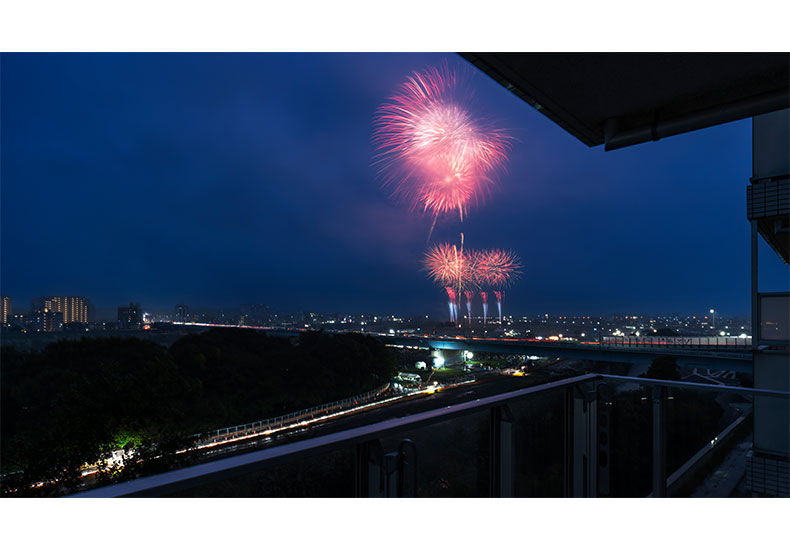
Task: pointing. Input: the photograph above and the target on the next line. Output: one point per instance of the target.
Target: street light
(713, 322)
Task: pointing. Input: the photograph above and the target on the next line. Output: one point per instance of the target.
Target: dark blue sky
(221, 179)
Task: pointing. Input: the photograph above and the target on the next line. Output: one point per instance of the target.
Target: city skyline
(178, 311)
(218, 179)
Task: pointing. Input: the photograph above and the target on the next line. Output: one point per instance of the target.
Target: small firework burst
(498, 268)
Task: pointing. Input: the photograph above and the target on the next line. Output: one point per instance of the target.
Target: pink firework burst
(498, 268)
(433, 151)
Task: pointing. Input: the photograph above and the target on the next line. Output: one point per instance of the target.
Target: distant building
(19, 320)
(182, 313)
(256, 314)
(130, 316)
(74, 309)
(44, 320)
(6, 310)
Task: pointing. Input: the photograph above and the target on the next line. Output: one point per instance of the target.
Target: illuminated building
(6, 311)
(74, 309)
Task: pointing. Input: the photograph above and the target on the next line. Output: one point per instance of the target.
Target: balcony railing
(590, 435)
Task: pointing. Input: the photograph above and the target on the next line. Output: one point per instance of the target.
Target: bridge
(718, 357)
(730, 354)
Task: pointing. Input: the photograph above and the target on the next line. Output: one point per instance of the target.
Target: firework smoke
(433, 153)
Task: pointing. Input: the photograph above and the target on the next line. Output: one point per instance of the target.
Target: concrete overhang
(622, 99)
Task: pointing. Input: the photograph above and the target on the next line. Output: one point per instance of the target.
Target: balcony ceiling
(641, 92)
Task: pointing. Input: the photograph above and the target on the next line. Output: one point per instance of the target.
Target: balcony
(591, 435)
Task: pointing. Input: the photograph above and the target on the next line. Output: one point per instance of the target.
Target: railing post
(567, 462)
(407, 469)
(502, 452)
(367, 478)
(604, 439)
(659, 442)
(581, 441)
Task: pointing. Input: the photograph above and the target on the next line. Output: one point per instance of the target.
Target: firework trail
(484, 297)
(451, 303)
(432, 152)
(500, 297)
(469, 295)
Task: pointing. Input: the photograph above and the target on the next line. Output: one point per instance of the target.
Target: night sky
(222, 179)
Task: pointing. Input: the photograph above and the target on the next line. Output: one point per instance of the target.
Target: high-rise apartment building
(75, 309)
(6, 310)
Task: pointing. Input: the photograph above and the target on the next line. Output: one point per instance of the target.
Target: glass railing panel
(628, 443)
(452, 456)
(330, 474)
(775, 316)
(702, 428)
(539, 443)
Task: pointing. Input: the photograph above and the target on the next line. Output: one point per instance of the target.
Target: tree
(663, 368)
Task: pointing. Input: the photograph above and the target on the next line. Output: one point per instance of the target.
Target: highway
(735, 358)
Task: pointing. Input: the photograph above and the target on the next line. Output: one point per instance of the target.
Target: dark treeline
(76, 401)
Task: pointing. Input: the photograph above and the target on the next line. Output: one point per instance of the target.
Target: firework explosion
(498, 268)
(450, 266)
(454, 269)
(437, 156)
(433, 153)
(464, 271)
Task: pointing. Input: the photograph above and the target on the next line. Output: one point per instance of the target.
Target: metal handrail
(696, 386)
(218, 470)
